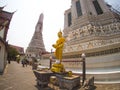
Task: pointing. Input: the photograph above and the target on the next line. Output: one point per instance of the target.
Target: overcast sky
(26, 16)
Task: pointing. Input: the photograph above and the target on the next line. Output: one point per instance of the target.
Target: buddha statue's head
(60, 34)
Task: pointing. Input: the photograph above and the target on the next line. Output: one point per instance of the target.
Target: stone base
(69, 82)
(43, 77)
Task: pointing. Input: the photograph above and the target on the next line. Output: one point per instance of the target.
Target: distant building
(18, 48)
(36, 46)
(20, 54)
(5, 18)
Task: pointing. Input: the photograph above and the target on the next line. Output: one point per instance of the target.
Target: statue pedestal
(43, 77)
(68, 82)
(62, 80)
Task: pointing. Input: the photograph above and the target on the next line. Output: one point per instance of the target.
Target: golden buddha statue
(59, 46)
(58, 67)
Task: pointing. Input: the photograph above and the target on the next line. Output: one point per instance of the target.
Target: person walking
(23, 62)
(26, 62)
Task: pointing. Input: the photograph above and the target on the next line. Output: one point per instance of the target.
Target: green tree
(12, 53)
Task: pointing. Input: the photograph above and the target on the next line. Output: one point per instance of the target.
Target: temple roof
(5, 18)
(1, 8)
(18, 48)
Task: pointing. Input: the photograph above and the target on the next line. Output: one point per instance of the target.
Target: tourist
(24, 62)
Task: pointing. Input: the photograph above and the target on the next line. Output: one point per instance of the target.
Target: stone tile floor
(17, 77)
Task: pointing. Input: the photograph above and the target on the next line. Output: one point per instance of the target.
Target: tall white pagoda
(36, 46)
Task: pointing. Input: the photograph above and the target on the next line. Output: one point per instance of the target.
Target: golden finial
(60, 31)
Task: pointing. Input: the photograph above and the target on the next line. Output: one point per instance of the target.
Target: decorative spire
(36, 46)
(60, 32)
(41, 18)
(1, 8)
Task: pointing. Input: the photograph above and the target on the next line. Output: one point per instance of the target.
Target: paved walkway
(17, 77)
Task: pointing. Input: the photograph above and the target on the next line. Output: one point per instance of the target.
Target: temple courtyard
(17, 77)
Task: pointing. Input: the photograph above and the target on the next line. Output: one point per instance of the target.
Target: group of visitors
(32, 62)
(24, 62)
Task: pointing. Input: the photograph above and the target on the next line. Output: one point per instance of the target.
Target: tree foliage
(12, 53)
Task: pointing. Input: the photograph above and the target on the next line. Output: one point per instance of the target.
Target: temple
(93, 27)
(5, 19)
(36, 47)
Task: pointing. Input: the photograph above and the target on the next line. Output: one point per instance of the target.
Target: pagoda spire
(36, 46)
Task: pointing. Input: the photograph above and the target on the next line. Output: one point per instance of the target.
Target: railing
(116, 11)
